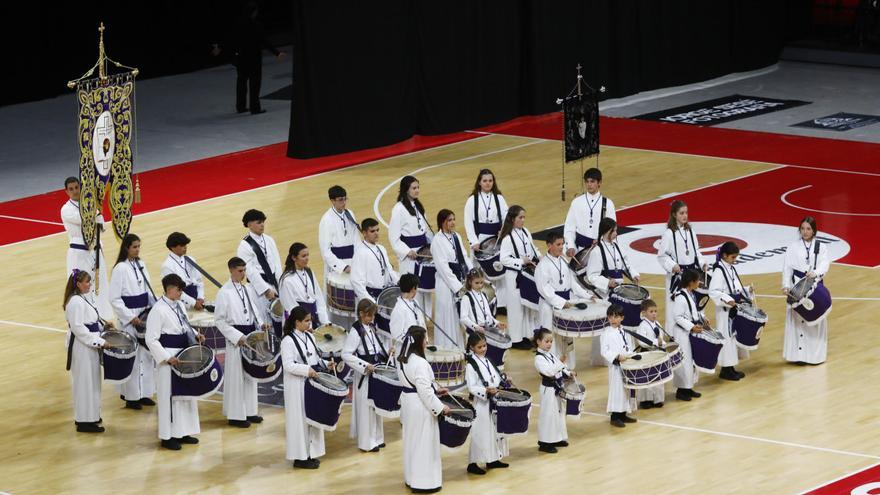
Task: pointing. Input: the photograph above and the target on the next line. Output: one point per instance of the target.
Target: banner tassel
(137, 189)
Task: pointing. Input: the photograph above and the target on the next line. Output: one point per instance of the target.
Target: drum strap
(477, 200)
(605, 260)
(302, 354)
(693, 243)
(202, 271)
(140, 268)
(268, 274)
(815, 262)
(359, 328)
(687, 298)
(729, 283)
(473, 362)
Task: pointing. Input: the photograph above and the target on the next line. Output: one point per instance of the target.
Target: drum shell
(820, 300)
(581, 323)
(573, 393)
(384, 394)
(427, 272)
(323, 405)
(201, 383)
(513, 417)
(637, 375)
(675, 357)
(340, 293)
(705, 350)
(747, 330)
(448, 367)
(118, 366)
(454, 429)
(488, 257)
(632, 308)
(497, 344)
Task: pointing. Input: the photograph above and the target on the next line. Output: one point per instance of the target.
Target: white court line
(422, 169)
(835, 480)
(28, 325)
(782, 296)
(30, 220)
(784, 199)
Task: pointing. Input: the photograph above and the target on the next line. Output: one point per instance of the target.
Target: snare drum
(748, 325)
(340, 293)
(652, 369)
(118, 359)
(705, 347)
(489, 258)
(386, 301)
(384, 391)
(528, 291)
(203, 322)
(701, 293)
(261, 356)
(573, 322)
(425, 269)
(276, 310)
(324, 395)
(578, 262)
(198, 374)
(489, 291)
(512, 407)
(573, 392)
(330, 339)
(630, 296)
(811, 300)
(675, 356)
(497, 344)
(455, 426)
(448, 366)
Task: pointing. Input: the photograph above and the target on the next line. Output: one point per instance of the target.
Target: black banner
(840, 122)
(581, 117)
(721, 110)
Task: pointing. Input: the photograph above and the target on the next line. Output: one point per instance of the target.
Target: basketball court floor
(783, 429)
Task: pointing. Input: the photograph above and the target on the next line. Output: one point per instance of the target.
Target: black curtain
(371, 74)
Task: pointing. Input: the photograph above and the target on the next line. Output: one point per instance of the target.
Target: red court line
(208, 178)
(864, 481)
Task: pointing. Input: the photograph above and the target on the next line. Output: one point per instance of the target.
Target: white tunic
(521, 320)
(679, 248)
(614, 343)
(486, 444)
(366, 425)
(337, 230)
(303, 441)
(655, 394)
(802, 342)
(584, 215)
(371, 267)
(720, 292)
(236, 305)
(475, 311)
(85, 259)
(132, 279)
(447, 285)
(254, 270)
(685, 376)
(404, 224)
(616, 259)
(551, 276)
(422, 467)
(551, 419)
(85, 364)
(301, 286)
(404, 315)
(178, 416)
(182, 267)
(487, 212)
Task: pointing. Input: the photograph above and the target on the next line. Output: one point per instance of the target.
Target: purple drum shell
(495, 354)
(528, 291)
(199, 386)
(573, 407)
(261, 372)
(384, 397)
(821, 299)
(118, 370)
(341, 297)
(488, 266)
(426, 273)
(322, 409)
(705, 353)
(748, 332)
(632, 312)
(513, 418)
(638, 378)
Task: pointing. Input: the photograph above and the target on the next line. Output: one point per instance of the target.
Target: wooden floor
(783, 429)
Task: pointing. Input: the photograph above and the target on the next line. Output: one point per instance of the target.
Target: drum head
(424, 253)
(458, 408)
(489, 248)
(277, 308)
(648, 359)
(493, 333)
(330, 339)
(801, 289)
(261, 346)
(201, 319)
(513, 395)
(387, 300)
(632, 292)
(443, 356)
(572, 387)
(331, 382)
(120, 342)
(752, 311)
(671, 347)
(579, 261)
(194, 358)
(386, 371)
(339, 279)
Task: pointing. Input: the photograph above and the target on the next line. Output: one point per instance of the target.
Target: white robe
(486, 213)
(85, 260)
(403, 316)
(404, 224)
(521, 320)
(480, 314)
(614, 343)
(85, 364)
(299, 287)
(422, 467)
(551, 419)
(447, 286)
(303, 441)
(239, 389)
(189, 274)
(254, 270)
(553, 275)
(371, 267)
(685, 376)
(336, 230)
(583, 220)
(366, 425)
(803, 342)
(656, 393)
(617, 260)
(178, 416)
(129, 281)
(720, 293)
(486, 445)
(666, 256)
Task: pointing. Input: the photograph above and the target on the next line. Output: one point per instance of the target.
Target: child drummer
(651, 330)
(617, 347)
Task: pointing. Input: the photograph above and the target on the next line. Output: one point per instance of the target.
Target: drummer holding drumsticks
(617, 347)
(338, 234)
(687, 319)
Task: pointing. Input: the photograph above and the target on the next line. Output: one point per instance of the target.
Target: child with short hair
(651, 330)
(617, 347)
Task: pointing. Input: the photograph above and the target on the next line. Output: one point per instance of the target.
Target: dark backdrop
(368, 74)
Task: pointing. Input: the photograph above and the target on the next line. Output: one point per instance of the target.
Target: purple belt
(177, 341)
(136, 302)
(415, 241)
(488, 228)
(81, 247)
(343, 252)
(192, 291)
(582, 241)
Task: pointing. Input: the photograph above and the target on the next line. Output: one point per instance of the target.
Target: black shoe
(646, 404)
(188, 440)
(727, 373)
(89, 428)
(133, 404)
(146, 401)
(627, 419)
(658, 405)
(239, 423)
(258, 111)
(501, 311)
(547, 447)
(425, 490)
(474, 469)
(255, 419)
(740, 374)
(562, 443)
(99, 421)
(171, 444)
(374, 449)
(683, 394)
(382, 445)
(693, 393)
(497, 465)
(618, 423)
(306, 464)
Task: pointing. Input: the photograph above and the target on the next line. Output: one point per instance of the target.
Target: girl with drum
(484, 212)
(475, 312)
(452, 265)
(409, 233)
(132, 296)
(300, 360)
(419, 408)
(687, 319)
(552, 431)
(361, 352)
(726, 290)
(679, 250)
(518, 253)
(617, 347)
(298, 286)
(805, 342)
(483, 381)
(607, 264)
(84, 344)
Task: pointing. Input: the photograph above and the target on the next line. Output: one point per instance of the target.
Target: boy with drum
(586, 211)
(617, 347)
(338, 233)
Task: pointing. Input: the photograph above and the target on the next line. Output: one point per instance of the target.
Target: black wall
(368, 74)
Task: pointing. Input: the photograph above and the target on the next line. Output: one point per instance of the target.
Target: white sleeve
(570, 228)
(320, 302)
(664, 253)
(610, 211)
(508, 256)
(472, 236)
(502, 203)
(359, 275)
(252, 267)
(441, 264)
(397, 325)
(288, 359)
(287, 293)
(325, 232)
(222, 318)
(546, 368)
(683, 313)
(154, 331)
(76, 321)
(425, 387)
(198, 280)
(395, 226)
(349, 352)
(474, 384)
(610, 348)
(717, 288)
(545, 288)
(466, 316)
(594, 269)
(394, 275)
(822, 262)
(124, 314)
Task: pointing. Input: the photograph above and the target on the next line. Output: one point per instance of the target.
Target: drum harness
(477, 200)
(815, 262)
(320, 367)
(504, 382)
(143, 314)
(73, 337)
(605, 260)
(370, 358)
(268, 275)
(676, 278)
(737, 296)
